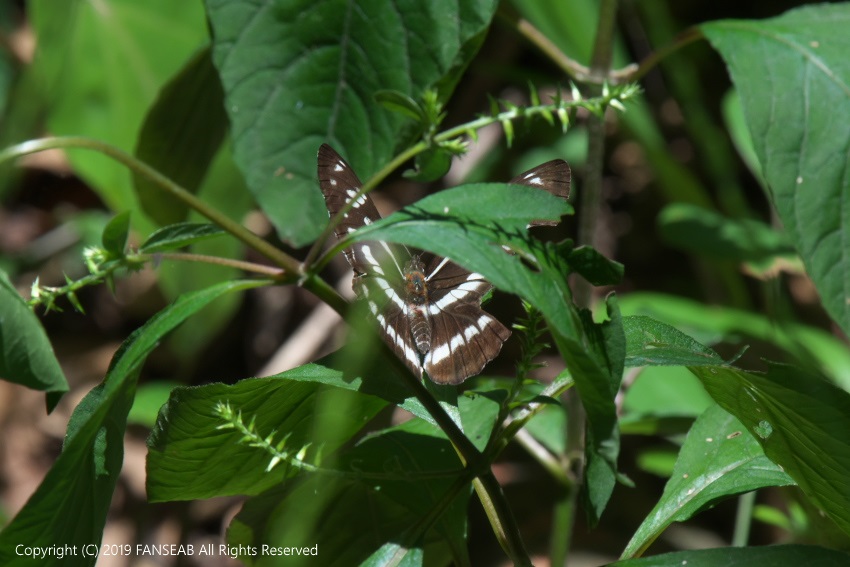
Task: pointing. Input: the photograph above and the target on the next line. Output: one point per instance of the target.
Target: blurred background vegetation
(685, 212)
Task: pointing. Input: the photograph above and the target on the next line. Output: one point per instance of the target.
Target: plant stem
(743, 519)
(488, 489)
(592, 197)
(206, 259)
(140, 168)
(501, 518)
(287, 263)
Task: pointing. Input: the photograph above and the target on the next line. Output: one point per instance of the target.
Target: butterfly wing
(552, 176)
(464, 337)
(378, 266)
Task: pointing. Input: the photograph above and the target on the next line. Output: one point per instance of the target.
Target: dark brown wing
(464, 338)
(395, 330)
(378, 265)
(552, 176)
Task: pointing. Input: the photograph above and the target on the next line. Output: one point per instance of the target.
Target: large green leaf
(719, 459)
(71, 503)
(793, 76)
(26, 356)
(191, 457)
(710, 324)
(299, 73)
(114, 55)
(702, 231)
(181, 135)
(801, 421)
(653, 343)
(468, 224)
(321, 509)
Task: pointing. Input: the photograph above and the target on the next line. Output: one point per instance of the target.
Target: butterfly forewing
(552, 176)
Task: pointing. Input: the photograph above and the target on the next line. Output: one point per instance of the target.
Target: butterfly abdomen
(416, 291)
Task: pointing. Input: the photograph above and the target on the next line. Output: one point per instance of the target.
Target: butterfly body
(427, 307)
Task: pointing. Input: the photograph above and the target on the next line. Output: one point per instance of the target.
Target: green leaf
(661, 392)
(149, 399)
(765, 556)
(71, 503)
(594, 267)
(704, 232)
(713, 323)
(653, 343)
(468, 224)
(719, 459)
(179, 235)
(795, 67)
(549, 427)
(801, 421)
(284, 101)
(115, 235)
(104, 92)
(294, 405)
(478, 414)
(320, 510)
(26, 356)
(736, 125)
(430, 165)
(180, 136)
(401, 103)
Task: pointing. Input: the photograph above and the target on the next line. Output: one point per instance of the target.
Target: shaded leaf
(26, 355)
(653, 343)
(704, 232)
(430, 165)
(713, 323)
(191, 457)
(594, 267)
(224, 189)
(297, 74)
(180, 136)
(803, 155)
(71, 503)
(115, 234)
(295, 512)
(401, 103)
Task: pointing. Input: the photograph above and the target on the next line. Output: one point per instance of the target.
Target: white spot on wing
(470, 332)
(459, 293)
(439, 354)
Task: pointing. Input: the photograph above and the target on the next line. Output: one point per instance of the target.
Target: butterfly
(428, 308)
